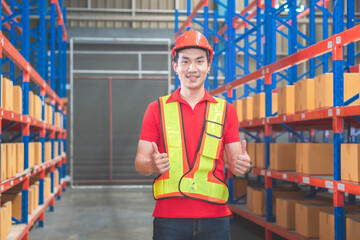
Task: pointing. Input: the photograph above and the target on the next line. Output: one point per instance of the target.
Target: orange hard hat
(192, 38)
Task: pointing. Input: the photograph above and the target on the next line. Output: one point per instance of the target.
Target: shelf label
(303, 115)
(341, 187)
(338, 39)
(263, 121)
(20, 178)
(2, 113)
(269, 174)
(21, 118)
(2, 187)
(12, 115)
(284, 176)
(250, 122)
(329, 184)
(12, 182)
(284, 118)
(306, 180)
(263, 172)
(329, 44)
(267, 120)
(338, 111)
(330, 112)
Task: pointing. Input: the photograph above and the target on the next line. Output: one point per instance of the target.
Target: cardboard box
(37, 107)
(31, 154)
(15, 199)
(247, 108)
(326, 222)
(286, 100)
(17, 101)
(38, 153)
(350, 162)
(31, 104)
(258, 199)
(56, 149)
(259, 105)
(249, 199)
(285, 211)
(324, 89)
(10, 160)
(238, 107)
(352, 227)
(3, 162)
(307, 152)
(31, 200)
(3, 225)
(304, 95)
(19, 157)
(250, 148)
(47, 151)
(259, 155)
(57, 119)
(6, 94)
(283, 156)
(240, 185)
(307, 218)
(8, 207)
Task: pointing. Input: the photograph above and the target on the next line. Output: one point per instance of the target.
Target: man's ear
(174, 64)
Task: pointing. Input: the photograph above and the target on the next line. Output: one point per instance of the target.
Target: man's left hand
(241, 162)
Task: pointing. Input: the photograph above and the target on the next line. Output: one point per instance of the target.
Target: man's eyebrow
(184, 57)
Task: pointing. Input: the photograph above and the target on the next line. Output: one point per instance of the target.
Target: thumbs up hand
(160, 161)
(241, 162)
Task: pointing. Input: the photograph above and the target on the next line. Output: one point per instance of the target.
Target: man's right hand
(160, 161)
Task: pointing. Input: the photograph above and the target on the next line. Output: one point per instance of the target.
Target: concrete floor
(106, 214)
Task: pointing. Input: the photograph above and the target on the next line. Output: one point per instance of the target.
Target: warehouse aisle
(108, 214)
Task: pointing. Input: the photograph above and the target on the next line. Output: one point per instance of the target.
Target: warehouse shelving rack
(31, 62)
(329, 119)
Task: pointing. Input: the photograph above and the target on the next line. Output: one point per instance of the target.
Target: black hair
(176, 55)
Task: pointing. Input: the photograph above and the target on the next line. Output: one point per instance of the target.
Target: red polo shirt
(193, 122)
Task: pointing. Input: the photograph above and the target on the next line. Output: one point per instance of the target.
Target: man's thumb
(155, 147)
(243, 147)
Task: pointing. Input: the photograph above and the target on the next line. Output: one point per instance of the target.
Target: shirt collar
(177, 97)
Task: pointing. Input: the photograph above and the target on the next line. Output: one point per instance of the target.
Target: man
(183, 138)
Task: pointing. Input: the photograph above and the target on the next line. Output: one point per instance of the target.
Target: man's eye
(200, 61)
(185, 62)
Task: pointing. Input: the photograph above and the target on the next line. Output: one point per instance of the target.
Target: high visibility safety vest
(197, 181)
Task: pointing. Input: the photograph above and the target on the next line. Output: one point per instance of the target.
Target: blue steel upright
(64, 95)
(338, 98)
(25, 51)
(269, 58)
(293, 71)
(350, 24)
(230, 54)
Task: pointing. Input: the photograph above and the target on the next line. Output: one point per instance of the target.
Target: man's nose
(192, 67)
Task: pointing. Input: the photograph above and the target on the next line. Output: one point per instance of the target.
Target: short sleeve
(150, 130)
(231, 132)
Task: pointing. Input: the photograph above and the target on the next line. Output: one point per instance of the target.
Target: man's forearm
(143, 165)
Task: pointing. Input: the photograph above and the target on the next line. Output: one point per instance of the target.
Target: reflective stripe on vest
(199, 182)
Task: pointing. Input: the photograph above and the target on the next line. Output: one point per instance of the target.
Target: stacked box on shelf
(37, 107)
(257, 198)
(31, 154)
(47, 151)
(259, 155)
(10, 160)
(240, 185)
(250, 148)
(18, 99)
(31, 104)
(3, 162)
(306, 153)
(304, 95)
(14, 196)
(37, 153)
(33, 197)
(259, 105)
(350, 162)
(282, 156)
(49, 116)
(238, 107)
(286, 100)
(57, 119)
(249, 199)
(323, 88)
(56, 149)
(47, 184)
(56, 179)
(307, 218)
(6, 94)
(352, 227)
(247, 107)
(19, 157)
(326, 223)
(285, 211)
(5, 219)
